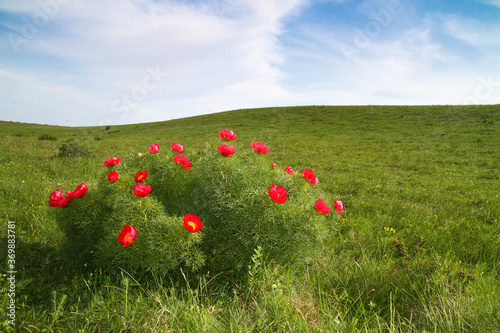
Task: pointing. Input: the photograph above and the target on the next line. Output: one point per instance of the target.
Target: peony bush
(207, 209)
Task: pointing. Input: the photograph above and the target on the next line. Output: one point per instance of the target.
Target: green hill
(418, 247)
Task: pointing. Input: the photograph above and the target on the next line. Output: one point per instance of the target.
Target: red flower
(192, 223)
(81, 190)
(55, 197)
(322, 207)
(140, 176)
(127, 235)
(154, 148)
(178, 148)
(227, 135)
(113, 176)
(58, 200)
(112, 161)
(142, 190)
(339, 207)
(289, 170)
(65, 201)
(226, 150)
(309, 174)
(274, 165)
(182, 160)
(259, 147)
(278, 194)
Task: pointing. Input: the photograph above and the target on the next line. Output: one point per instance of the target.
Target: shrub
(47, 136)
(141, 215)
(72, 149)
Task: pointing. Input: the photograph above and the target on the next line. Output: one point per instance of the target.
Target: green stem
(121, 184)
(225, 172)
(255, 161)
(93, 204)
(143, 212)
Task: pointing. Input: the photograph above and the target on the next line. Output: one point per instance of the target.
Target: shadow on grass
(40, 270)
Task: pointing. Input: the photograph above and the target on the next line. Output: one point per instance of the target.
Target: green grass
(418, 248)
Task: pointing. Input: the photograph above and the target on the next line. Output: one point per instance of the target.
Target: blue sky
(90, 63)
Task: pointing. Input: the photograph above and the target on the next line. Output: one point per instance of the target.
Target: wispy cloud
(205, 50)
(396, 58)
(94, 62)
(495, 3)
(472, 31)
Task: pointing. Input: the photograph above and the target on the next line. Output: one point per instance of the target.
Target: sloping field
(418, 248)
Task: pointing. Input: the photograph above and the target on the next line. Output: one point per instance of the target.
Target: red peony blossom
(58, 200)
(182, 160)
(65, 201)
(339, 207)
(259, 147)
(309, 174)
(227, 135)
(55, 197)
(274, 165)
(113, 176)
(127, 235)
(70, 194)
(192, 223)
(226, 150)
(112, 161)
(142, 190)
(81, 190)
(140, 176)
(322, 207)
(154, 148)
(178, 148)
(278, 194)
(289, 170)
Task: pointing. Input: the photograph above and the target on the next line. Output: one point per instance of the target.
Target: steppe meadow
(206, 244)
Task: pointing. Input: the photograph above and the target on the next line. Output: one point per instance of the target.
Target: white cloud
(411, 67)
(495, 3)
(38, 100)
(207, 50)
(20, 7)
(472, 31)
(126, 61)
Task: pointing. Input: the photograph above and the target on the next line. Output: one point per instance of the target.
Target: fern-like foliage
(228, 193)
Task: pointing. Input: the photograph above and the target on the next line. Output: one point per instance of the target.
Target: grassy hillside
(418, 248)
